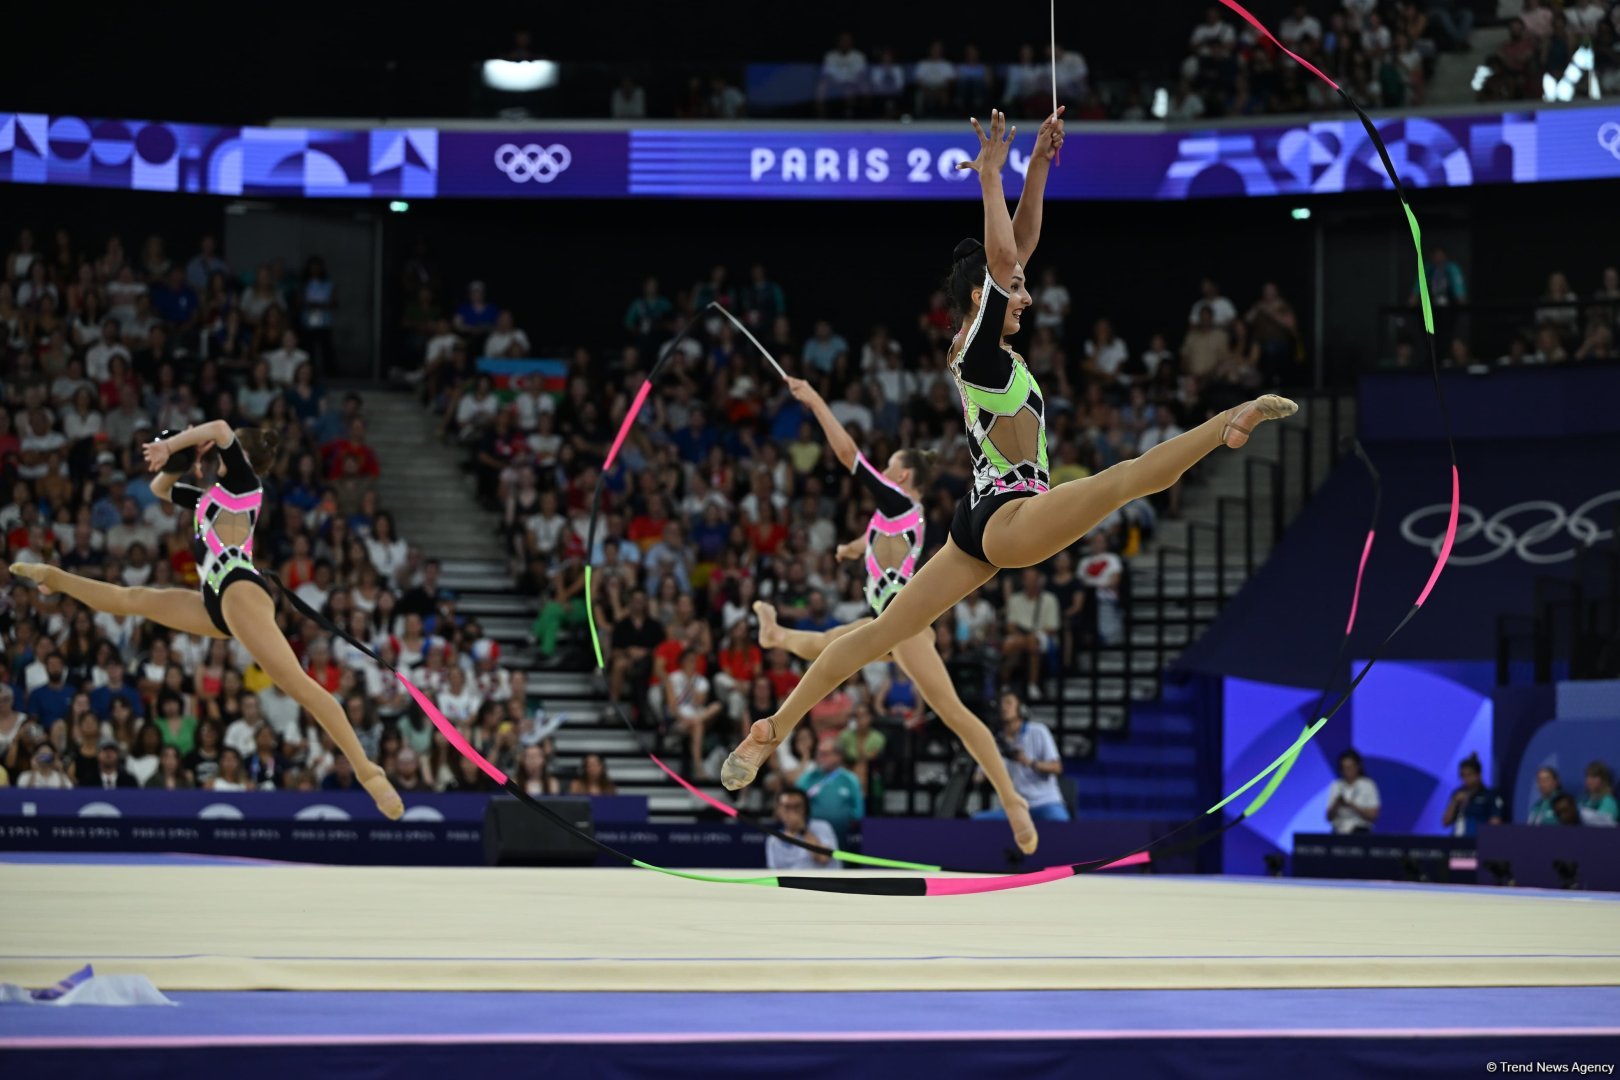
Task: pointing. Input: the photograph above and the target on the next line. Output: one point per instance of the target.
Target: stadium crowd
(1384, 52)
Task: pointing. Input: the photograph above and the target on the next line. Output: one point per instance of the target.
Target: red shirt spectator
(741, 664)
(339, 451)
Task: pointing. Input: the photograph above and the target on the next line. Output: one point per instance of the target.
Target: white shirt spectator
(45, 444)
(1051, 306)
(121, 299)
(1099, 570)
(1041, 789)
(63, 389)
(56, 778)
(1072, 73)
(1208, 39)
(545, 532)
(1025, 80)
(98, 357)
(440, 346)
(1220, 307)
(386, 557)
(934, 73)
(1190, 107)
(1033, 614)
(77, 427)
(1108, 358)
(1375, 41)
(975, 619)
(1358, 10)
(629, 104)
(845, 68)
(689, 695)
(240, 736)
(530, 406)
(1361, 792)
(284, 364)
(781, 855)
(1291, 29)
(1155, 434)
(499, 343)
(853, 414)
(1585, 19)
(461, 708)
(474, 411)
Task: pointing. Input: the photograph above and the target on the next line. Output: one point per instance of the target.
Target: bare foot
(1241, 421)
(743, 763)
(1023, 826)
(34, 572)
(375, 781)
(770, 634)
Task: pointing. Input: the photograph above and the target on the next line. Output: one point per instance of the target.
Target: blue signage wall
(1300, 156)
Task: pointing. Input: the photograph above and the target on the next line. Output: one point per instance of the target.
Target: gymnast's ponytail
(261, 445)
(921, 464)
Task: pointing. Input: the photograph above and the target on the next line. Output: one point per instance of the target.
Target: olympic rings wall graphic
(1579, 528)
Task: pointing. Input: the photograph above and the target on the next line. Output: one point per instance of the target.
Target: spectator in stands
(887, 82)
(793, 819)
(1275, 329)
(842, 86)
(1472, 804)
(1072, 75)
(1033, 622)
(1204, 348)
(1550, 791)
(826, 353)
(1103, 572)
(833, 791)
(475, 316)
(629, 101)
(862, 745)
(534, 773)
(44, 770)
(935, 79)
(635, 634)
(1298, 25)
(506, 339)
(1455, 21)
(975, 82)
(593, 778)
(1600, 801)
(1032, 760)
(1352, 798)
(110, 772)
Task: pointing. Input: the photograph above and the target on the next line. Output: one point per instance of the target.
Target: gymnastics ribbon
(935, 886)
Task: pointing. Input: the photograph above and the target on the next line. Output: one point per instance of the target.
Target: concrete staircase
(435, 506)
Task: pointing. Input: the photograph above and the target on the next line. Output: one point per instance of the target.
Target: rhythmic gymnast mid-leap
(891, 549)
(1011, 517)
(225, 513)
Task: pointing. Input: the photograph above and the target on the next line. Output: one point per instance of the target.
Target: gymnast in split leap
(891, 548)
(234, 600)
(1011, 517)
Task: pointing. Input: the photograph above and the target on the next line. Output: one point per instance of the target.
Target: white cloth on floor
(84, 987)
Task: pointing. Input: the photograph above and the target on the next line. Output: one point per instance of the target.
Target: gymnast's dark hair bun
(967, 274)
(967, 249)
(261, 446)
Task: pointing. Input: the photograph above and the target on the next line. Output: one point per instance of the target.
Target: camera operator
(1032, 760)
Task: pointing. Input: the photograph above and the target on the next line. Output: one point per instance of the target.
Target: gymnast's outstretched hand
(156, 454)
(1049, 139)
(992, 147)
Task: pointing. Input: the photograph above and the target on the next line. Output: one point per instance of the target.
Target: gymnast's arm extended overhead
(1027, 218)
(843, 446)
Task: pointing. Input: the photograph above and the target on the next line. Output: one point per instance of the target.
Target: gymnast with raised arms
(1011, 517)
(233, 600)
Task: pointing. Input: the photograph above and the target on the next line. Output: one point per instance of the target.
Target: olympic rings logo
(542, 164)
(1578, 524)
(1608, 136)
